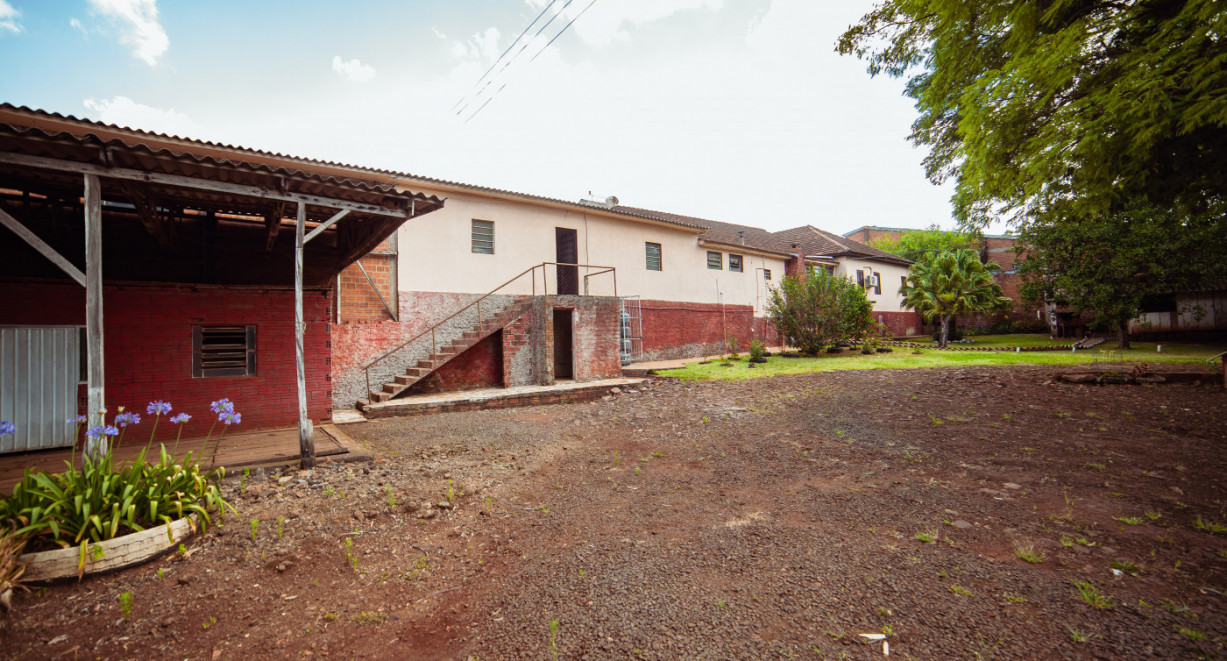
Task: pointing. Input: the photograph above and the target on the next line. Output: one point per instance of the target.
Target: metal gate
(40, 368)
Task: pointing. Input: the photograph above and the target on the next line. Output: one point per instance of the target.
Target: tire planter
(117, 553)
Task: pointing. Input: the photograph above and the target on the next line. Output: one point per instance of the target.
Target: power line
(564, 29)
(509, 47)
(534, 57)
(513, 58)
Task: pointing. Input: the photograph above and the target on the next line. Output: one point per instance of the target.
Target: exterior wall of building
(1195, 312)
(436, 255)
(684, 330)
(147, 332)
(356, 298)
(481, 366)
(891, 274)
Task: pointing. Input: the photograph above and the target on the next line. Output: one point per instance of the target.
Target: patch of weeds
(936, 421)
(927, 536)
(1013, 598)
(1131, 520)
(1178, 608)
(1096, 467)
(1007, 417)
(1206, 525)
(985, 651)
(888, 630)
(255, 525)
(329, 490)
(350, 556)
(369, 617)
(554, 639)
(636, 470)
(1066, 542)
(1062, 415)
(1191, 634)
(125, 604)
(391, 496)
(658, 454)
(960, 590)
(1078, 636)
(209, 622)
(1126, 566)
(280, 526)
(1153, 515)
(331, 616)
(1027, 551)
(840, 433)
(1091, 595)
(1116, 494)
(617, 459)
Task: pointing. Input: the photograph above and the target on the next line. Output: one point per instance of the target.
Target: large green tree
(819, 310)
(943, 284)
(1085, 103)
(915, 243)
(1109, 265)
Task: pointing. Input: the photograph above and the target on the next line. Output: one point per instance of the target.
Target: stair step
(406, 380)
(381, 396)
(394, 388)
(416, 372)
(363, 403)
(428, 365)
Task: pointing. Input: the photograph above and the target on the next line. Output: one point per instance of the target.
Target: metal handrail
(480, 322)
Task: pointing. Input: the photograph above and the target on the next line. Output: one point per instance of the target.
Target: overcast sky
(734, 110)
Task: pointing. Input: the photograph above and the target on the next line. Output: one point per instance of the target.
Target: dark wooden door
(564, 357)
(567, 241)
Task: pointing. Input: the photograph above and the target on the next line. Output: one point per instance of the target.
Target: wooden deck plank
(234, 451)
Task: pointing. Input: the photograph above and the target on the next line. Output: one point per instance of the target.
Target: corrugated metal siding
(39, 372)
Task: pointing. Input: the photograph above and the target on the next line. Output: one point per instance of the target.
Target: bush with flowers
(102, 499)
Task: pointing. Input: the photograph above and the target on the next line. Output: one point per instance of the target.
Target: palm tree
(943, 284)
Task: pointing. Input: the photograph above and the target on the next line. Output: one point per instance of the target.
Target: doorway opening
(567, 251)
(564, 355)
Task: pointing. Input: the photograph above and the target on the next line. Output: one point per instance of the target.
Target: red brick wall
(147, 335)
(480, 366)
(356, 299)
(678, 330)
(901, 324)
(595, 338)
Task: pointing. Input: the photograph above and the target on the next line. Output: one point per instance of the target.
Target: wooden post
(306, 436)
(96, 375)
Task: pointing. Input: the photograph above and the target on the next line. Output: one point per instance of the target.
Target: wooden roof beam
(147, 213)
(272, 225)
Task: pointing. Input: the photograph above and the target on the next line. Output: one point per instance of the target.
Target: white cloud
(76, 25)
(438, 32)
(481, 46)
(139, 25)
(123, 111)
(353, 69)
(8, 18)
(610, 21)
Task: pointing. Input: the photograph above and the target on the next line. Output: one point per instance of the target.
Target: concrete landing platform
(563, 392)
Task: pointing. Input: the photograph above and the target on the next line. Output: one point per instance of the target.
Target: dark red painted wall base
(147, 333)
(681, 330)
(479, 366)
(901, 324)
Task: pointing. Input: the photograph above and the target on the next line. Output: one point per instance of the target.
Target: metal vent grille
(223, 351)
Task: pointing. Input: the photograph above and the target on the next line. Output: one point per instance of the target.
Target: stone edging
(117, 553)
(914, 345)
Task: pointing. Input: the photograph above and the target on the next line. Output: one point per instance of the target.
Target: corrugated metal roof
(394, 178)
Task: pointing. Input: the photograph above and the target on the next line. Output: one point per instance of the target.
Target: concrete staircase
(447, 349)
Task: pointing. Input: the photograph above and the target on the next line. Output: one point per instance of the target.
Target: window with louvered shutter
(483, 237)
(223, 351)
(653, 256)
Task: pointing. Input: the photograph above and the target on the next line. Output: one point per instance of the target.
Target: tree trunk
(945, 331)
(1122, 334)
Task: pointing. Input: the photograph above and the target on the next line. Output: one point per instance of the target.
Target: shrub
(758, 351)
(101, 501)
(819, 310)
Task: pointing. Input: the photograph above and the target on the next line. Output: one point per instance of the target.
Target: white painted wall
(436, 255)
(889, 300)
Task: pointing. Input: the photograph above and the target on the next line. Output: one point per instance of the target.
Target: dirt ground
(773, 518)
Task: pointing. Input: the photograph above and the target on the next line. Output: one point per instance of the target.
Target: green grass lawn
(902, 358)
(1013, 340)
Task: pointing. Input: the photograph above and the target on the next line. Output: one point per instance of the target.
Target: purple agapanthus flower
(157, 407)
(222, 405)
(76, 421)
(180, 417)
(230, 417)
(125, 419)
(7, 428)
(101, 431)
